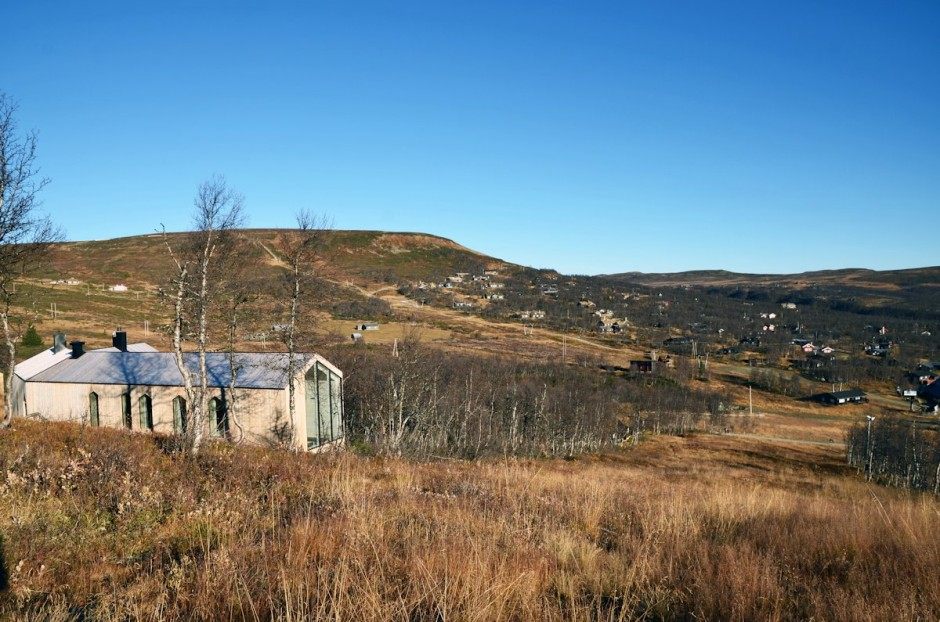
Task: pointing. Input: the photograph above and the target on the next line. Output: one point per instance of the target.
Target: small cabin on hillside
(133, 386)
(851, 396)
(642, 366)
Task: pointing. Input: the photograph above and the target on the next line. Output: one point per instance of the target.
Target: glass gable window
(93, 419)
(323, 406)
(145, 407)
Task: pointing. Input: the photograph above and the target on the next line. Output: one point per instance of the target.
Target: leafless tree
(218, 212)
(25, 234)
(300, 249)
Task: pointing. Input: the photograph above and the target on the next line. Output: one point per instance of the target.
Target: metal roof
(847, 393)
(132, 347)
(40, 362)
(254, 370)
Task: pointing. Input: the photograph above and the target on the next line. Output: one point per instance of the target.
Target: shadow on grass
(4, 575)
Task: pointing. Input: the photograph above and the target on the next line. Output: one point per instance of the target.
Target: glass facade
(323, 406)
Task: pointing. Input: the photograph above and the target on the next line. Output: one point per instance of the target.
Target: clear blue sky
(589, 137)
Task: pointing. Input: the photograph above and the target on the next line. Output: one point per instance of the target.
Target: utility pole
(750, 400)
(564, 348)
(868, 449)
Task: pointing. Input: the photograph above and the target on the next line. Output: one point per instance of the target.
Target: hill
(857, 277)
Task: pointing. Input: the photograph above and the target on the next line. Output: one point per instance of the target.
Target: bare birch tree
(300, 249)
(218, 211)
(25, 234)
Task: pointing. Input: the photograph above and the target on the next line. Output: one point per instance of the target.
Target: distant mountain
(858, 277)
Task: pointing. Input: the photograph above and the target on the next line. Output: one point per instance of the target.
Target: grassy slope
(102, 522)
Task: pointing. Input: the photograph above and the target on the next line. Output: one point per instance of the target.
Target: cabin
(643, 366)
(851, 396)
(135, 387)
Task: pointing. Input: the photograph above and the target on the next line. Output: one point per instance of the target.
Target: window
(126, 410)
(179, 415)
(145, 407)
(336, 405)
(323, 404)
(218, 417)
(310, 410)
(93, 419)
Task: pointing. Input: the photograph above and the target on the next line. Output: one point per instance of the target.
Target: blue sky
(588, 137)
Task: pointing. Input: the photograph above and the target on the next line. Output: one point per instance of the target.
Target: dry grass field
(102, 524)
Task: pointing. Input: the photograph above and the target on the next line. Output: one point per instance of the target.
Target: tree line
(896, 451)
(420, 401)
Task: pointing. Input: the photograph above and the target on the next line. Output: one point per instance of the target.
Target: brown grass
(104, 524)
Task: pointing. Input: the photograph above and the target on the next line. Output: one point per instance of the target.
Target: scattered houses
(530, 315)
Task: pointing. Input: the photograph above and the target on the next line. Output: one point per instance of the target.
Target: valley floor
(104, 524)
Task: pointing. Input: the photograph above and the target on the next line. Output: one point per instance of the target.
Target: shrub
(31, 337)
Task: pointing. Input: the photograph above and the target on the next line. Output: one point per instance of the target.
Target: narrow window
(218, 417)
(93, 419)
(126, 410)
(145, 406)
(323, 404)
(179, 415)
(310, 408)
(336, 405)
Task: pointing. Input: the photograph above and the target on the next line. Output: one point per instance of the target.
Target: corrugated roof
(40, 362)
(254, 370)
(131, 347)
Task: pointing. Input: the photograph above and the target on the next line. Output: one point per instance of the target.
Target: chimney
(78, 349)
(119, 340)
(58, 342)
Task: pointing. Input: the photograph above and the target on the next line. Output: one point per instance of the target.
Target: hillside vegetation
(102, 524)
